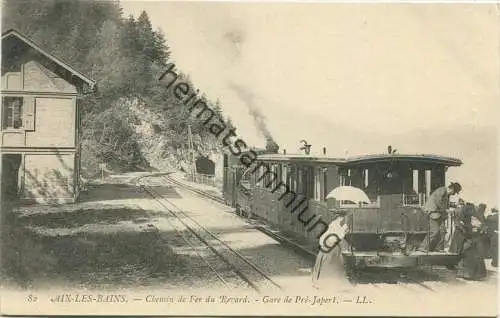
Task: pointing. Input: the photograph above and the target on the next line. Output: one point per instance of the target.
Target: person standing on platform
(472, 266)
(436, 208)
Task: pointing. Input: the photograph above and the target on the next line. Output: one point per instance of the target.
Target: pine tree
(124, 56)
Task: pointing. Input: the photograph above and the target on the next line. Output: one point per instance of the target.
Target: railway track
(406, 281)
(194, 190)
(230, 268)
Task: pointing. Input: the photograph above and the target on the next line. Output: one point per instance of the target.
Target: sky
(350, 77)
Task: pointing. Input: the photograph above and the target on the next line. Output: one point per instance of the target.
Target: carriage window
(267, 172)
(427, 182)
(292, 174)
(415, 181)
(284, 170)
(420, 187)
(269, 176)
(437, 177)
(256, 177)
(321, 186)
(343, 176)
(275, 176)
(365, 179)
(373, 184)
(280, 174)
(317, 185)
(264, 176)
(261, 182)
(325, 184)
(356, 177)
(299, 185)
(309, 190)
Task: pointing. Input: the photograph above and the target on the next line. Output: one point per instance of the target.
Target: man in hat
(436, 208)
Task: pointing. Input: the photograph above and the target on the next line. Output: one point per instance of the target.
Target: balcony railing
(349, 204)
(416, 200)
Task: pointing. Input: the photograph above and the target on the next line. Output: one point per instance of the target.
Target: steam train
(384, 232)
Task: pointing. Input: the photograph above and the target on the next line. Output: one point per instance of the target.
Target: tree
(108, 65)
(124, 55)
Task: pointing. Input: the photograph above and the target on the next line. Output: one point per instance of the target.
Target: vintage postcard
(249, 158)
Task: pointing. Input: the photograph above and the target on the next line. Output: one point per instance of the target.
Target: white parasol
(348, 193)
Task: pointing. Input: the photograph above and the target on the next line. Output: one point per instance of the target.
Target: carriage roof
(362, 160)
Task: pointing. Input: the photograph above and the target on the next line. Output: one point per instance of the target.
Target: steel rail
(191, 244)
(161, 200)
(155, 195)
(255, 267)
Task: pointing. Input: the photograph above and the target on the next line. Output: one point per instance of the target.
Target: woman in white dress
(328, 272)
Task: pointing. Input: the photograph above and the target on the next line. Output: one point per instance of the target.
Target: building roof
(365, 159)
(51, 57)
(257, 150)
(424, 158)
(300, 158)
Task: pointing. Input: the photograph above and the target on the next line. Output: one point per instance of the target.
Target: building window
(12, 112)
(18, 113)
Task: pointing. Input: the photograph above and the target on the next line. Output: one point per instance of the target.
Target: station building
(39, 146)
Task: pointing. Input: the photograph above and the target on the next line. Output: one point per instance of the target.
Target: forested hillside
(131, 121)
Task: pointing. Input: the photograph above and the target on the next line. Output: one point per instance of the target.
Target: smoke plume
(260, 121)
(235, 39)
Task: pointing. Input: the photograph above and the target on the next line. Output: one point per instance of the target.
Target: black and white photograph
(249, 158)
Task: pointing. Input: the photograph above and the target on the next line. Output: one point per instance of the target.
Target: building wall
(49, 107)
(48, 177)
(54, 123)
(47, 139)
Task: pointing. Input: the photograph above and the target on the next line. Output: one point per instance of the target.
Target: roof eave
(364, 160)
(448, 161)
(90, 82)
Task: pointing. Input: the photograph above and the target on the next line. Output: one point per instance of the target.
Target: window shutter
(29, 113)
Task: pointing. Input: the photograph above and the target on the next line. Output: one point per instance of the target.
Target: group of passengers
(474, 235)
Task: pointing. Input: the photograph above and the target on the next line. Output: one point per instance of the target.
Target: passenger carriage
(382, 233)
(236, 193)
